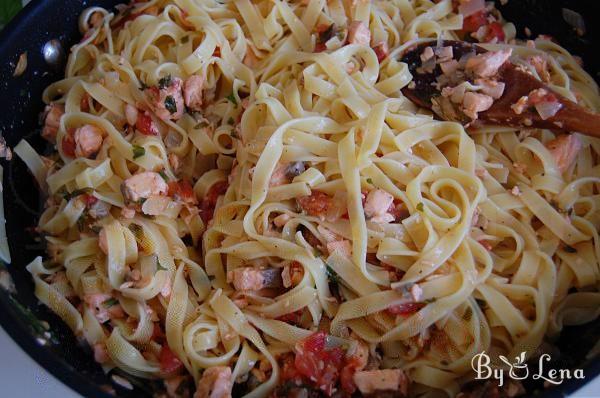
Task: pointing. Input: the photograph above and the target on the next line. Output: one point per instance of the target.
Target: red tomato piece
(475, 21)
(169, 363)
(207, 208)
(316, 204)
(317, 363)
(495, 31)
(145, 124)
(68, 143)
(89, 200)
(292, 317)
(405, 309)
(182, 191)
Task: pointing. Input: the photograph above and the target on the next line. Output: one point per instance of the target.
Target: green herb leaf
(232, 99)
(201, 125)
(370, 180)
(170, 104)
(165, 82)
(138, 151)
(420, 207)
(163, 175)
(185, 39)
(110, 302)
(234, 134)
(332, 275)
(570, 249)
(430, 300)
(143, 85)
(142, 200)
(230, 121)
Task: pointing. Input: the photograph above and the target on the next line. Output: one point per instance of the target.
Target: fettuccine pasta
(242, 197)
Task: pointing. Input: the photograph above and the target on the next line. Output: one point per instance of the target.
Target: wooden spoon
(518, 83)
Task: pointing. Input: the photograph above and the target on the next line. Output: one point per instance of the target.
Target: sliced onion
(547, 109)
(471, 7)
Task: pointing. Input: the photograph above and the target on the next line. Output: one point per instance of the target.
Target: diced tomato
(145, 124)
(475, 21)
(495, 31)
(347, 375)
(405, 309)
(320, 47)
(487, 245)
(292, 317)
(207, 208)
(90, 200)
(68, 143)
(316, 204)
(381, 50)
(157, 333)
(317, 363)
(398, 210)
(169, 363)
(183, 191)
(84, 104)
(288, 369)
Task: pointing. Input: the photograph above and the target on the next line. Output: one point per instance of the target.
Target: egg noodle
(497, 250)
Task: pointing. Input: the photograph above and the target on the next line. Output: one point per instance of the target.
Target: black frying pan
(20, 313)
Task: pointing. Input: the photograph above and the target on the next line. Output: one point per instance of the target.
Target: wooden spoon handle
(570, 118)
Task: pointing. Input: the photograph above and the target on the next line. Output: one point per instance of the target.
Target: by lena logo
(519, 370)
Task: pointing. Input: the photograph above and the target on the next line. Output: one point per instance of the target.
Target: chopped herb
(165, 82)
(570, 249)
(185, 39)
(159, 266)
(468, 314)
(232, 99)
(430, 300)
(77, 192)
(420, 207)
(110, 302)
(163, 175)
(230, 121)
(234, 134)
(370, 180)
(138, 151)
(332, 275)
(143, 85)
(142, 200)
(170, 104)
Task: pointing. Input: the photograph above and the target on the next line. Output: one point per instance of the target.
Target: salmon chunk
(52, 115)
(88, 140)
(144, 185)
(369, 381)
(192, 92)
(359, 33)
(166, 99)
(564, 150)
(487, 64)
(215, 383)
(248, 278)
